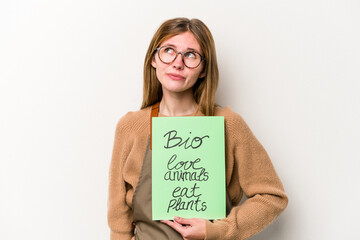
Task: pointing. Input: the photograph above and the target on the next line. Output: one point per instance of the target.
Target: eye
(169, 50)
(190, 55)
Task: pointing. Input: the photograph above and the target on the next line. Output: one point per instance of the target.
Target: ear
(202, 74)
(153, 62)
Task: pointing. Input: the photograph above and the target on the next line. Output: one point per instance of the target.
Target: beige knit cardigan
(249, 171)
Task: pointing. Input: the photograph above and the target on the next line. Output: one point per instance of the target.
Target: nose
(178, 62)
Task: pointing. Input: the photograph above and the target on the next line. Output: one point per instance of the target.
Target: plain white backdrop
(70, 69)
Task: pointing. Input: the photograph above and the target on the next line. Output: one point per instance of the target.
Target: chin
(176, 89)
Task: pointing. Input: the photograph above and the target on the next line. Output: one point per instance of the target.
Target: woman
(180, 79)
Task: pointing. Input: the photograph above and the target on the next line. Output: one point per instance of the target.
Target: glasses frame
(182, 56)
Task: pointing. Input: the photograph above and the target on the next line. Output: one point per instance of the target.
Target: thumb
(184, 221)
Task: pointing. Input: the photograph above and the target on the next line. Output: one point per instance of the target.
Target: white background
(70, 69)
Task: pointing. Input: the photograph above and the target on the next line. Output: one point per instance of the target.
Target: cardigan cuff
(119, 236)
(215, 230)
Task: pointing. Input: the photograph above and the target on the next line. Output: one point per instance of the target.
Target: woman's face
(175, 77)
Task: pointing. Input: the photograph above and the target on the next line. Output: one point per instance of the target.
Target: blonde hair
(205, 88)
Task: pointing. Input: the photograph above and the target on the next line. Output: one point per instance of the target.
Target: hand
(189, 228)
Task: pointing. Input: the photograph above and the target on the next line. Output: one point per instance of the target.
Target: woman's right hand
(189, 228)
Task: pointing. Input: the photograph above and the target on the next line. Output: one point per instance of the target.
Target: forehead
(183, 42)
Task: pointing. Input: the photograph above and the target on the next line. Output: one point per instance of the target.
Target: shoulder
(229, 115)
(134, 121)
(234, 123)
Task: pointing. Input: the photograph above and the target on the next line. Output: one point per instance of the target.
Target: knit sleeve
(120, 215)
(257, 178)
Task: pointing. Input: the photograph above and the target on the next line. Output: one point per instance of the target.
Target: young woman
(180, 79)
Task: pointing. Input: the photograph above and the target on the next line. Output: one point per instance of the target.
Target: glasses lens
(168, 54)
(192, 59)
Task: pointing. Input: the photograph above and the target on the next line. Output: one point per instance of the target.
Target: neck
(178, 104)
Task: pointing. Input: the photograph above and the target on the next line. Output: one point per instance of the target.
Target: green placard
(188, 167)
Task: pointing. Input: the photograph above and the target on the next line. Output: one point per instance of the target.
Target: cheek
(160, 72)
(196, 75)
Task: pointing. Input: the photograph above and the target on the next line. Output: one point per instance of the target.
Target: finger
(184, 221)
(176, 226)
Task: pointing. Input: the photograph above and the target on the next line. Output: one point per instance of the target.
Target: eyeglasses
(191, 59)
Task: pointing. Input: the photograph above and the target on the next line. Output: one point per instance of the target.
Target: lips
(175, 76)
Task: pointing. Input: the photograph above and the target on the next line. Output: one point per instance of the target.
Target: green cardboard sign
(188, 167)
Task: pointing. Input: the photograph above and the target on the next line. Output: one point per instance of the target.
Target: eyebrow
(191, 49)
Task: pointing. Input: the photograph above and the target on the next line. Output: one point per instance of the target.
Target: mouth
(176, 77)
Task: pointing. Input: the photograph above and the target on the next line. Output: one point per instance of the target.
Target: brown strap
(154, 113)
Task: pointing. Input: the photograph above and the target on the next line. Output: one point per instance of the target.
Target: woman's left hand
(189, 228)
